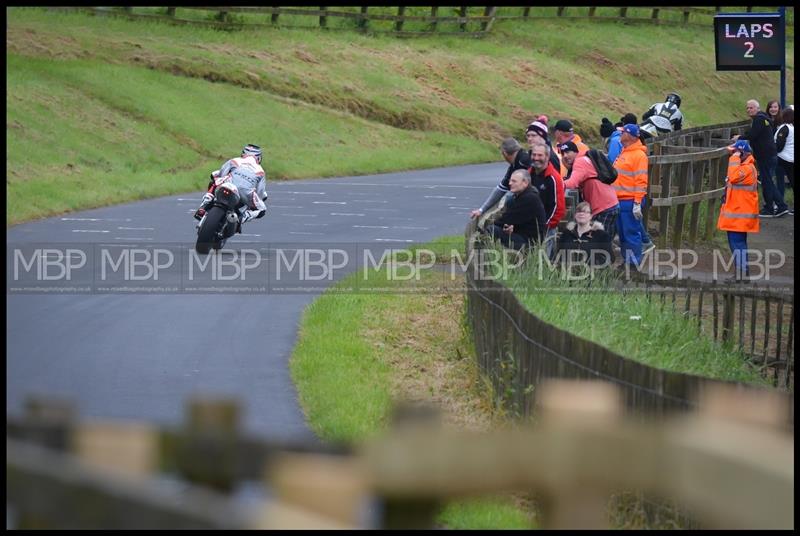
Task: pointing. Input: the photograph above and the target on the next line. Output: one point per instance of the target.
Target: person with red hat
(739, 212)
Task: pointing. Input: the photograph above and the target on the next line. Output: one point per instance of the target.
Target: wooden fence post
(362, 22)
(686, 16)
(526, 12)
(560, 11)
(623, 11)
(728, 306)
(275, 15)
(591, 11)
(655, 13)
(464, 15)
(323, 20)
(398, 25)
(170, 12)
(488, 12)
(434, 22)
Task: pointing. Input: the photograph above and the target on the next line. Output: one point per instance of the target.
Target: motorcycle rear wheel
(207, 234)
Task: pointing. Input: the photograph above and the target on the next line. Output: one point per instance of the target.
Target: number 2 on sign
(749, 53)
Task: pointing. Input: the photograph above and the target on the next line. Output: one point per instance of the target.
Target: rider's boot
(200, 212)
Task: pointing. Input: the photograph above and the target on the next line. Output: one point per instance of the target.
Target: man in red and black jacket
(547, 181)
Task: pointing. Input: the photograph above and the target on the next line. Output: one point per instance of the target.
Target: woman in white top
(784, 142)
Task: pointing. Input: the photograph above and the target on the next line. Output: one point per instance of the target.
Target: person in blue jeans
(760, 137)
(614, 149)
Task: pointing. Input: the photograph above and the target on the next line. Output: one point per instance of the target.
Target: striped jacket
(631, 165)
(739, 212)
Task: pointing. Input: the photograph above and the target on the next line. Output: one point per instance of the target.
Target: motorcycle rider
(249, 177)
(662, 118)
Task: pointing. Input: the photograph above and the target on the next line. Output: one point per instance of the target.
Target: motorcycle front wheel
(207, 234)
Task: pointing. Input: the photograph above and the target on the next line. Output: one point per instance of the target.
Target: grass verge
(357, 354)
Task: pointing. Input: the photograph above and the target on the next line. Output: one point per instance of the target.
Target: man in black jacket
(517, 159)
(523, 220)
(766, 155)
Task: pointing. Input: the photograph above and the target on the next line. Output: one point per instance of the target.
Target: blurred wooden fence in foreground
(729, 465)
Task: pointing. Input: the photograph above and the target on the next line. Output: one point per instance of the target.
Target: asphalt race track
(124, 353)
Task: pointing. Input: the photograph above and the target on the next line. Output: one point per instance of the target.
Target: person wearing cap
(631, 187)
(547, 181)
(563, 133)
(614, 145)
(523, 220)
(517, 159)
(739, 212)
(766, 155)
(614, 148)
(600, 196)
(537, 133)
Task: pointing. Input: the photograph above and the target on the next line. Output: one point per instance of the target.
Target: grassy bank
(104, 110)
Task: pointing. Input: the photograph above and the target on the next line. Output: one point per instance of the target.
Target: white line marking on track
(329, 202)
(439, 197)
(368, 201)
(89, 231)
(401, 227)
(346, 214)
(136, 228)
(297, 215)
(95, 219)
(247, 234)
(130, 238)
(371, 226)
(306, 193)
(391, 240)
(382, 209)
(316, 224)
(460, 208)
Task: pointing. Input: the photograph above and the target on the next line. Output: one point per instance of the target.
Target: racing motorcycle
(221, 220)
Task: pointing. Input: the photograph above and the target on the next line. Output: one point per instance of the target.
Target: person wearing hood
(631, 187)
(587, 236)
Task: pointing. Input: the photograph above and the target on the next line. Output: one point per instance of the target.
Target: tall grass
(598, 309)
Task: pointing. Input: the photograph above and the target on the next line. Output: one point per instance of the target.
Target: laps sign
(749, 42)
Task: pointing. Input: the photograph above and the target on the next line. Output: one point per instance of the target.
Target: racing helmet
(674, 98)
(252, 150)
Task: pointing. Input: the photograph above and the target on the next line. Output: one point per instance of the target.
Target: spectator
(587, 236)
(600, 196)
(739, 212)
(547, 181)
(784, 144)
(523, 220)
(517, 159)
(537, 133)
(631, 187)
(765, 153)
(614, 145)
(563, 133)
(774, 113)
(662, 117)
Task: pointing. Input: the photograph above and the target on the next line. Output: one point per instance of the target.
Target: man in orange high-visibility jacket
(739, 212)
(562, 133)
(631, 187)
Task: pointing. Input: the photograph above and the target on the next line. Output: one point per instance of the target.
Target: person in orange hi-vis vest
(739, 212)
(631, 187)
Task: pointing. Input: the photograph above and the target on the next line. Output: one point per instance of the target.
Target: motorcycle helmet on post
(252, 150)
(674, 98)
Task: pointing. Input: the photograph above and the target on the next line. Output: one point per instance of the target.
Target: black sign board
(749, 41)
